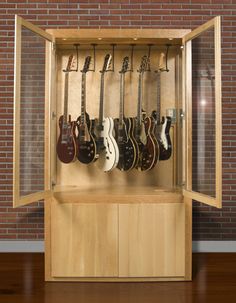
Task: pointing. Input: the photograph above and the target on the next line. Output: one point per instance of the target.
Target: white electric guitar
(106, 143)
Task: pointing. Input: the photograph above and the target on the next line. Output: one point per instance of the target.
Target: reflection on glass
(32, 113)
(203, 114)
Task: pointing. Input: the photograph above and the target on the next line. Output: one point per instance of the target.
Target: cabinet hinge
(54, 115)
(171, 112)
(54, 46)
(181, 114)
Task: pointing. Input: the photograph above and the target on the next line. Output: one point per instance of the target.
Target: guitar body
(162, 133)
(127, 148)
(146, 145)
(109, 151)
(154, 139)
(150, 150)
(66, 144)
(135, 143)
(166, 146)
(87, 150)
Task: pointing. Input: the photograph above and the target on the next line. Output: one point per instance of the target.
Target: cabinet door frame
(19, 200)
(187, 191)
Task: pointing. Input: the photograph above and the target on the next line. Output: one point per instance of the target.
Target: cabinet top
(120, 36)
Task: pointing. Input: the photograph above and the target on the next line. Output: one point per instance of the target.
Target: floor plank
(22, 280)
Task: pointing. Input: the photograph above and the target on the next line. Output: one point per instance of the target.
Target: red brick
(23, 223)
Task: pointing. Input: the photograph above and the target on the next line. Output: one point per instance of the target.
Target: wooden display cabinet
(118, 226)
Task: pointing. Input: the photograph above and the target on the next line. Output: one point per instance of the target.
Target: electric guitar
(128, 147)
(66, 144)
(162, 125)
(148, 145)
(87, 150)
(106, 143)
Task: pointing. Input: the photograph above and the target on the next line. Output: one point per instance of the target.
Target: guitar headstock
(106, 64)
(144, 64)
(125, 65)
(86, 64)
(69, 64)
(161, 63)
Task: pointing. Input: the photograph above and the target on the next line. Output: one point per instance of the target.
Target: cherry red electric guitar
(66, 144)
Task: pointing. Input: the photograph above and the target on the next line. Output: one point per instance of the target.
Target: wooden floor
(22, 280)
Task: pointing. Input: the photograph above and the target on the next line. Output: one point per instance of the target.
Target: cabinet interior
(85, 181)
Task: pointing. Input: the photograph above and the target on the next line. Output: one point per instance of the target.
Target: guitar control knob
(107, 158)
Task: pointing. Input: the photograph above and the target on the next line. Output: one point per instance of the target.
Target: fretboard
(66, 97)
(101, 112)
(83, 98)
(158, 115)
(140, 99)
(122, 94)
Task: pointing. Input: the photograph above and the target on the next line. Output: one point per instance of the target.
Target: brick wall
(208, 223)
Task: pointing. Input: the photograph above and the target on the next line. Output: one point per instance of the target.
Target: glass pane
(203, 114)
(32, 113)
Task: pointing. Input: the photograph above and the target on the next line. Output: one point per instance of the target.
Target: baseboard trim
(214, 246)
(21, 246)
(38, 246)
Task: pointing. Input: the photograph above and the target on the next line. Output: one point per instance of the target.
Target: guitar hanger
(149, 55)
(113, 59)
(112, 69)
(131, 69)
(164, 68)
(77, 59)
(94, 58)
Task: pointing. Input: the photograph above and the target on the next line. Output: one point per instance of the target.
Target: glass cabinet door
(203, 114)
(31, 113)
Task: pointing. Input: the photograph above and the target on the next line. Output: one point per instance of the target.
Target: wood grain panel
(120, 36)
(151, 240)
(84, 240)
(127, 194)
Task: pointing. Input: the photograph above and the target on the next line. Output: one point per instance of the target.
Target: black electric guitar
(148, 146)
(66, 144)
(128, 147)
(87, 150)
(162, 125)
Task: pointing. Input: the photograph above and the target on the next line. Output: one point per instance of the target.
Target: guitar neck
(122, 94)
(158, 114)
(83, 98)
(140, 98)
(65, 114)
(101, 111)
